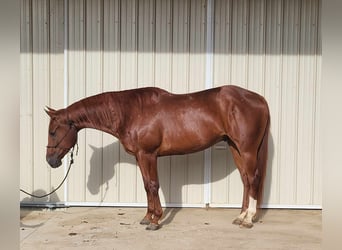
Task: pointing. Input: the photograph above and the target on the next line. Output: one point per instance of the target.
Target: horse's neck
(90, 113)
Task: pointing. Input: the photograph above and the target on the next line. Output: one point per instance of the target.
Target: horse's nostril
(53, 162)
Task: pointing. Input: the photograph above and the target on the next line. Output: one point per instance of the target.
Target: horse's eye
(53, 133)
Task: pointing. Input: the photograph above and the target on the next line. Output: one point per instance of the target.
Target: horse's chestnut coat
(151, 122)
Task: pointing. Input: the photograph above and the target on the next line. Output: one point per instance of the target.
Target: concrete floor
(187, 228)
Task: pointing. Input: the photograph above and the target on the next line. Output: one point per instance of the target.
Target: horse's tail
(262, 160)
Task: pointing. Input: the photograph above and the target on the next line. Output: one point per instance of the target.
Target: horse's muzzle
(54, 162)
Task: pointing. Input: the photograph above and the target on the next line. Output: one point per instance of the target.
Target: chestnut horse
(151, 122)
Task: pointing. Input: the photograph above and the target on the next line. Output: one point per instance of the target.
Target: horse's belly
(188, 141)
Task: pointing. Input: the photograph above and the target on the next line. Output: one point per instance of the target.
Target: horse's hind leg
(244, 178)
(246, 163)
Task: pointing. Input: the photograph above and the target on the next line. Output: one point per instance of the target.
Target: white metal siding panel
(306, 104)
(222, 41)
(77, 90)
(56, 95)
(280, 59)
(222, 165)
(128, 173)
(94, 81)
(163, 44)
(40, 43)
(271, 47)
(145, 64)
(231, 20)
(197, 64)
(273, 75)
(318, 170)
(256, 46)
(146, 42)
(239, 42)
(163, 69)
(26, 100)
(180, 81)
(111, 82)
(41, 77)
(187, 64)
(289, 114)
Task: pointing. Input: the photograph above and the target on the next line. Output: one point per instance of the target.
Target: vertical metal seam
(297, 115)
(118, 168)
(154, 41)
(208, 84)
(264, 48)
(209, 46)
(188, 37)
(316, 83)
(136, 31)
(34, 9)
(136, 49)
(231, 21)
(171, 46)
(281, 81)
(247, 12)
(314, 105)
(32, 81)
(318, 73)
(102, 38)
(118, 38)
(48, 52)
(66, 86)
(85, 44)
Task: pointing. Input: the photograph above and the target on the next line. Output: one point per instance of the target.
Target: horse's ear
(51, 112)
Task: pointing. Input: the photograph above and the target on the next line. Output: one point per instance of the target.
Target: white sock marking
(251, 211)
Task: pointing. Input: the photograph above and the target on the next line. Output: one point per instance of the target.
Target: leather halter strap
(72, 126)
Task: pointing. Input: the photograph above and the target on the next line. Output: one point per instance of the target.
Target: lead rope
(66, 175)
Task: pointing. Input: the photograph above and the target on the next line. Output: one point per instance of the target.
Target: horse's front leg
(156, 206)
(148, 167)
(149, 214)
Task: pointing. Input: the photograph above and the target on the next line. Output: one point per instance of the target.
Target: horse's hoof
(255, 218)
(145, 222)
(237, 221)
(153, 227)
(245, 224)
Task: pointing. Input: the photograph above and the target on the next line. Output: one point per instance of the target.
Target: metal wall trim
(209, 76)
(66, 87)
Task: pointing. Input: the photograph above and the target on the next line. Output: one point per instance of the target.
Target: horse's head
(61, 138)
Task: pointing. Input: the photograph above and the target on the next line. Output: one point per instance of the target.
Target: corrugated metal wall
(271, 47)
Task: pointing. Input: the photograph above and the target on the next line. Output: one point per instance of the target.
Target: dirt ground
(186, 228)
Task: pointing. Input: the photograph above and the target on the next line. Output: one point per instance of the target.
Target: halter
(59, 142)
